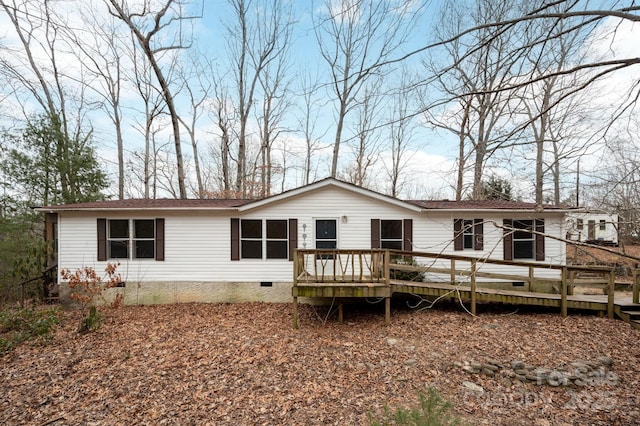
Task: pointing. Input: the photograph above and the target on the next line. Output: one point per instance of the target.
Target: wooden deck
(343, 274)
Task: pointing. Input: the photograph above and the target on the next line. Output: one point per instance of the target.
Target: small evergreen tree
(496, 188)
(39, 165)
(46, 167)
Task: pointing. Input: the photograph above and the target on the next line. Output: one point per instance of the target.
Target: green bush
(397, 274)
(432, 411)
(19, 325)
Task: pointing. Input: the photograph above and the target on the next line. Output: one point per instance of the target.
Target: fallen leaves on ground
(604, 256)
(245, 364)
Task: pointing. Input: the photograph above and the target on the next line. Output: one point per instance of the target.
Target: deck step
(635, 323)
(632, 314)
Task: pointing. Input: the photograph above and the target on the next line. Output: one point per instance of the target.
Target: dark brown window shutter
(160, 239)
(293, 236)
(507, 241)
(407, 237)
(235, 239)
(102, 239)
(458, 238)
(478, 234)
(540, 254)
(375, 233)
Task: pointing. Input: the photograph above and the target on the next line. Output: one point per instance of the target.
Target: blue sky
(431, 166)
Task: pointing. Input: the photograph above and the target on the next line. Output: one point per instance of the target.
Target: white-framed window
(468, 234)
(603, 225)
(391, 234)
(277, 239)
(579, 224)
(264, 239)
(523, 239)
(326, 236)
(131, 239)
(251, 239)
(326, 233)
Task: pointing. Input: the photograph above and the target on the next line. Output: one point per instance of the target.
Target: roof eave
(424, 210)
(130, 209)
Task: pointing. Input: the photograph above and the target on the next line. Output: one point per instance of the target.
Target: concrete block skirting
(165, 292)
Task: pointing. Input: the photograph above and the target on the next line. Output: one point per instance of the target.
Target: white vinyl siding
(198, 243)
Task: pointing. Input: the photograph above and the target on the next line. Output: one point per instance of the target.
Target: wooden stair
(629, 313)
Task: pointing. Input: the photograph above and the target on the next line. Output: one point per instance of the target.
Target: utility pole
(578, 185)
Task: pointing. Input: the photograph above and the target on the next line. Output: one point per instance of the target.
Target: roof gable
(325, 183)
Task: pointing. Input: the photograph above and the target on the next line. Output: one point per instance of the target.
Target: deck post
(387, 281)
(563, 292)
(387, 310)
(531, 278)
(295, 312)
(340, 311)
(473, 286)
(453, 271)
(636, 287)
(572, 277)
(294, 290)
(611, 293)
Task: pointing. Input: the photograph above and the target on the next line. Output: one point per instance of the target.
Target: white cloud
(615, 39)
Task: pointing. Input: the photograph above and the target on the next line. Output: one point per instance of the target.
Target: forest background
(457, 99)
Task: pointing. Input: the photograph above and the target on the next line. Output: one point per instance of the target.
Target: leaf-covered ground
(245, 364)
(605, 256)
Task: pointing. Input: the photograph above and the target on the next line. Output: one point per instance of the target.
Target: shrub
(397, 274)
(433, 410)
(87, 286)
(19, 325)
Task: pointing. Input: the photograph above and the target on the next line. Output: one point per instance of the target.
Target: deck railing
(378, 267)
(345, 266)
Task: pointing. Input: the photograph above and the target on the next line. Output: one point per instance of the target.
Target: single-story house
(230, 250)
(592, 226)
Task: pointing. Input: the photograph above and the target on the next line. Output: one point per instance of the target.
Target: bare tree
(197, 86)
(103, 56)
(401, 130)
(36, 75)
(27, 18)
(223, 115)
(550, 106)
(308, 120)
(257, 37)
(478, 104)
(366, 143)
(577, 17)
(357, 39)
(149, 28)
(153, 108)
(274, 83)
(615, 188)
